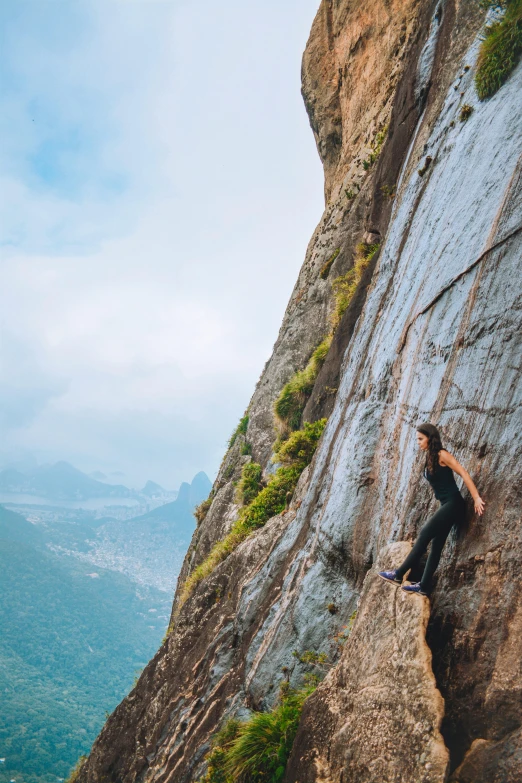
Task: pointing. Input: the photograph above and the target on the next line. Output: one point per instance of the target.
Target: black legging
(436, 530)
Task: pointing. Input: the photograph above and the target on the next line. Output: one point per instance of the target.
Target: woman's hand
(479, 505)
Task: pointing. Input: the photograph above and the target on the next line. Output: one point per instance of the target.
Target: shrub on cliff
(500, 50)
(299, 449)
(272, 499)
(250, 483)
(201, 511)
(220, 745)
(75, 772)
(294, 395)
(269, 502)
(257, 749)
(240, 430)
(344, 287)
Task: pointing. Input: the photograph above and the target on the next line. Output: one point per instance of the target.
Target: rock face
(377, 714)
(432, 333)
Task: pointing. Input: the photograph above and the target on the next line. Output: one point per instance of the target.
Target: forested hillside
(72, 640)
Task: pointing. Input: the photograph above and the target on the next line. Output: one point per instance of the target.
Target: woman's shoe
(414, 588)
(390, 576)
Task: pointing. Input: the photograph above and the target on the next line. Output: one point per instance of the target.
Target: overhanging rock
(376, 717)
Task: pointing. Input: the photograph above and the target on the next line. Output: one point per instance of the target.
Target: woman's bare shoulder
(447, 459)
(443, 455)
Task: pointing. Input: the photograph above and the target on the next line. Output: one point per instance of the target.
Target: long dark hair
(434, 445)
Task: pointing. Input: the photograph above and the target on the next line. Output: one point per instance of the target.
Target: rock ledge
(376, 717)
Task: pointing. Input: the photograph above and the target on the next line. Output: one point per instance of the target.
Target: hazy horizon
(159, 184)
(26, 463)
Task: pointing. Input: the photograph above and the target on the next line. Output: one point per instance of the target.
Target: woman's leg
(432, 562)
(437, 525)
(454, 512)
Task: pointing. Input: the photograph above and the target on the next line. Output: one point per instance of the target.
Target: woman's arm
(447, 459)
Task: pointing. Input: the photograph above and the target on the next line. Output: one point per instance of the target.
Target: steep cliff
(423, 226)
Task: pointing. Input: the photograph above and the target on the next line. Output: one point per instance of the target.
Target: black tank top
(443, 483)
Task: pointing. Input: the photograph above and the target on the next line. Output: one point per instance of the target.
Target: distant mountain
(61, 481)
(152, 490)
(200, 488)
(150, 548)
(98, 475)
(179, 513)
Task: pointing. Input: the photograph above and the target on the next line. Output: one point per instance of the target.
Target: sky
(159, 183)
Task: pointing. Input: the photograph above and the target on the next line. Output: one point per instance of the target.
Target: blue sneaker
(390, 576)
(414, 588)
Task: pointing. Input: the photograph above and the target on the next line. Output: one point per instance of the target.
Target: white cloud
(146, 270)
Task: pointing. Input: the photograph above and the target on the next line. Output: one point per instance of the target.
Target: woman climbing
(438, 470)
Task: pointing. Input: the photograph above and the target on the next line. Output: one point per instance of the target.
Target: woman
(438, 471)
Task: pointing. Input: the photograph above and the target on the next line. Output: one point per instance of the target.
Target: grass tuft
(271, 500)
(201, 511)
(75, 772)
(376, 149)
(240, 430)
(221, 744)
(500, 50)
(465, 112)
(294, 395)
(257, 749)
(299, 449)
(250, 483)
(325, 269)
(246, 449)
(388, 191)
(344, 287)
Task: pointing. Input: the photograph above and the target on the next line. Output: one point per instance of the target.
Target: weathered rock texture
(377, 715)
(432, 333)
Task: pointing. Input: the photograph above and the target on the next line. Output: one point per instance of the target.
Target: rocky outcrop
(377, 714)
(491, 762)
(432, 333)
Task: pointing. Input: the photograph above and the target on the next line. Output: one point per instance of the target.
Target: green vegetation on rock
(296, 454)
(299, 449)
(344, 287)
(75, 772)
(201, 511)
(240, 430)
(269, 502)
(289, 406)
(376, 149)
(325, 269)
(250, 483)
(500, 50)
(294, 395)
(272, 499)
(257, 749)
(465, 112)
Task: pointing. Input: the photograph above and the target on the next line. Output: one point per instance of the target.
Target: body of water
(93, 504)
